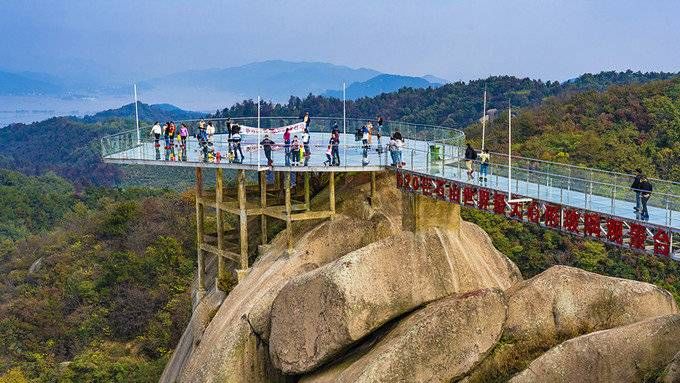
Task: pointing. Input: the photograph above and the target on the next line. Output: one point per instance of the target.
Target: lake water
(29, 109)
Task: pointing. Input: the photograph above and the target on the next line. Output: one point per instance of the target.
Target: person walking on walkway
(393, 149)
(286, 146)
(470, 157)
(645, 193)
(636, 188)
(267, 146)
(183, 136)
(484, 158)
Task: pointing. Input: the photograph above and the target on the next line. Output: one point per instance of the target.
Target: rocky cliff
(401, 290)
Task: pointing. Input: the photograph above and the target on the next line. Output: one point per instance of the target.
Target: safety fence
(626, 233)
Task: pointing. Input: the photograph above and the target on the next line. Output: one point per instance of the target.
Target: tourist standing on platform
(236, 138)
(183, 136)
(335, 145)
(400, 146)
(365, 144)
(267, 146)
(645, 188)
(329, 156)
(305, 145)
(369, 128)
(295, 151)
(307, 120)
(210, 130)
(636, 188)
(393, 149)
(484, 158)
(286, 146)
(470, 157)
(156, 132)
(379, 126)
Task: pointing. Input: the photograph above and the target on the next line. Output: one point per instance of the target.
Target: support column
(372, 188)
(243, 223)
(289, 222)
(307, 199)
(219, 190)
(199, 232)
(331, 189)
(263, 205)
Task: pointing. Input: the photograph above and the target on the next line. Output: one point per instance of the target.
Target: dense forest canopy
(622, 128)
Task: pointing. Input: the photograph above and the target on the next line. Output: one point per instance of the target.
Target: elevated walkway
(576, 200)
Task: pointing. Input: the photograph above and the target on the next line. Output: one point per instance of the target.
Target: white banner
(294, 128)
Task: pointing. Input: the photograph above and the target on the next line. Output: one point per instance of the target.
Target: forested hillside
(102, 297)
(456, 104)
(622, 128)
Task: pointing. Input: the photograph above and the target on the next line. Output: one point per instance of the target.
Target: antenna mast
(139, 138)
(484, 119)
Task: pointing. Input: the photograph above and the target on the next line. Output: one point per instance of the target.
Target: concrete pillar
(307, 199)
(200, 220)
(219, 197)
(331, 189)
(243, 219)
(263, 205)
(420, 213)
(289, 222)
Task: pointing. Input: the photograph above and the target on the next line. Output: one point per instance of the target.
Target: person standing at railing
(210, 130)
(307, 120)
(156, 131)
(286, 146)
(365, 144)
(335, 145)
(295, 150)
(183, 136)
(305, 146)
(484, 158)
(379, 125)
(369, 128)
(393, 149)
(400, 146)
(470, 157)
(636, 188)
(236, 138)
(645, 188)
(267, 146)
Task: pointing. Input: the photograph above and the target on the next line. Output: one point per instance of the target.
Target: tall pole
(139, 137)
(484, 119)
(258, 133)
(344, 123)
(509, 151)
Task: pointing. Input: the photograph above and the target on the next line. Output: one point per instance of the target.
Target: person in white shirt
(484, 158)
(210, 131)
(156, 131)
(305, 145)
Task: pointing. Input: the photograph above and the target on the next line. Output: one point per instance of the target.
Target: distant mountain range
(25, 84)
(275, 80)
(382, 83)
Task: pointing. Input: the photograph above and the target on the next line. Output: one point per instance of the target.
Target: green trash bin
(435, 154)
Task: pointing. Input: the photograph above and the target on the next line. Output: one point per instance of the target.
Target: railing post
(613, 199)
(199, 232)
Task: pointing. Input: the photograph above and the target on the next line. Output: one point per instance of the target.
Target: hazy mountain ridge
(382, 83)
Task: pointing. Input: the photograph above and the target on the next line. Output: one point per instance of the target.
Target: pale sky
(457, 40)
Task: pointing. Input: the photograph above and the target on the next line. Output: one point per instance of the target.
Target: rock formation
(402, 289)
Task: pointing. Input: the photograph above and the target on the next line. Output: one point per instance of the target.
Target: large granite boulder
(563, 302)
(321, 313)
(437, 343)
(672, 372)
(632, 353)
